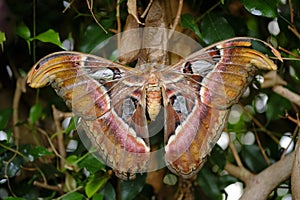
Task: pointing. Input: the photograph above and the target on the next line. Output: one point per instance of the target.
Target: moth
(115, 102)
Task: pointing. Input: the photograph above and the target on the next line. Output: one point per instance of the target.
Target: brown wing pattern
(197, 103)
(109, 101)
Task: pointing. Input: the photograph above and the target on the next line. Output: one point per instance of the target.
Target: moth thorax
(153, 101)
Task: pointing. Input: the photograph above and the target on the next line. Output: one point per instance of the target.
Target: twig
(118, 23)
(235, 153)
(51, 144)
(90, 6)
(20, 87)
(32, 169)
(113, 30)
(291, 141)
(294, 30)
(57, 188)
(15, 151)
(132, 10)
(286, 93)
(42, 174)
(291, 11)
(262, 128)
(5, 172)
(261, 148)
(207, 11)
(8, 183)
(58, 116)
(292, 119)
(177, 18)
(288, 52)
(147, 9)
(76, 189)
(67, 7)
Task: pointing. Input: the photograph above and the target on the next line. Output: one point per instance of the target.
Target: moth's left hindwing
(108, 98)
(196, 105)
(190, 128)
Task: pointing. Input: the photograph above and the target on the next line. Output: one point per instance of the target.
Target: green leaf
(208, 183)
(253, 26)
(215, 28)
(35, 113)
(34, 152)
(50, 36)
(108, 192)
(91, 38)
(252, 157)
(226, 180)
(14, 198)
(273, 110)
(95, 184)
(218, 157)
(238, 25)
(91, 163)
(39, 151)
(2, 39)
(213, 184)
(72, 159)
(130, 189)
(188, 21)
(97, 196)
(266, 8)
(72, 162)
(23, 31)
(70, 183)
(5, 116)
(73, 196)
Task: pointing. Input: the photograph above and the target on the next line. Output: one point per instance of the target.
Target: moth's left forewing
(210, 81)
(81, 80)
(108, 98)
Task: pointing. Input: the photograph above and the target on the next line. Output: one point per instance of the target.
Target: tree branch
(58, 116)
(262, 184)
(295, 178)
(239, 172)
(286, 93)
(20, 88)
